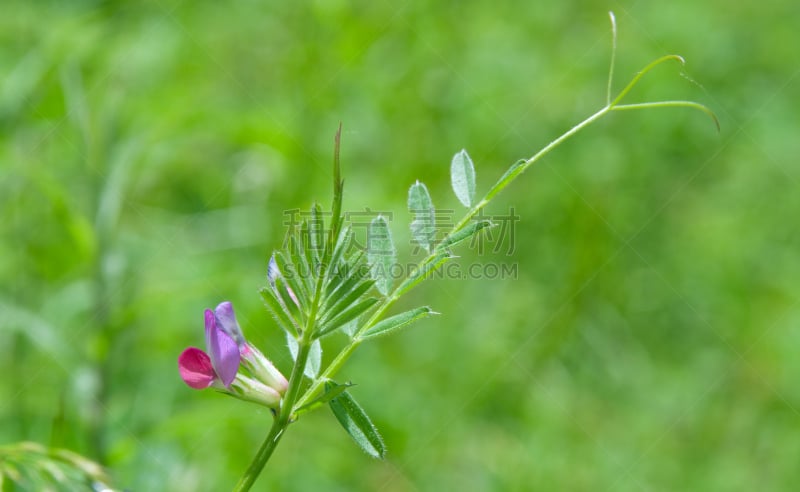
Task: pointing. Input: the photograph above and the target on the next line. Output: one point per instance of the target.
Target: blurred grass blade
(357, 424)
(462, 177)
(77, 105)
(41, 334)
(380, 254)
(394, 323)
(31, 466)
(114, 192)
(423, 225)
(21, 81)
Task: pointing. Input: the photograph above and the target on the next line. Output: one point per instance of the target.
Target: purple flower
(199, 369)
(255, 362)
(229, 352)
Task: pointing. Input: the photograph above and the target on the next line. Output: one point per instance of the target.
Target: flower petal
(211, 325)
(223, 350)
(196, 369)
(226, 320)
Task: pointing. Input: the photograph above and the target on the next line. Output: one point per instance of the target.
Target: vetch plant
(320, 284)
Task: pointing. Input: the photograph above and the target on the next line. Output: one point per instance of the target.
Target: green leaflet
(348, 300)
(462, 177)
(292, 277)
(316, 231)
(300, 262)
(348, 315)
(396, 322)
(464, 234)
(355, 274)
(381, 254)
(350, 327)
(332, 274)
(356, 423)
(308, 251)
(281, 317)
(423, 225)
(288, 299)
(314, 361)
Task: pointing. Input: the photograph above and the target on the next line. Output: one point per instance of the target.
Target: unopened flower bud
(249, 389)
(263, 370)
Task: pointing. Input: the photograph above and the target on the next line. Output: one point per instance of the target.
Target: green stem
(280, 423)
(669, 104)
(264, 452)
(284, 418)
(613, 57)
(522, 166)
(642, 73)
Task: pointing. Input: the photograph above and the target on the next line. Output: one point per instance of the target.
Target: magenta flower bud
(196, 369)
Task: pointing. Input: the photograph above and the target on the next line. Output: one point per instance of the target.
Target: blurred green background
(651, 340)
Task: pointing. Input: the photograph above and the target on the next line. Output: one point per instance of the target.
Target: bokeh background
(650, 341)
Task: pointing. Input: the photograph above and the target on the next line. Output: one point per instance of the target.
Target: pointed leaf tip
(396, 322)
(357, 424)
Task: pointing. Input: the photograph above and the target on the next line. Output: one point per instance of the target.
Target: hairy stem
(284, 417)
